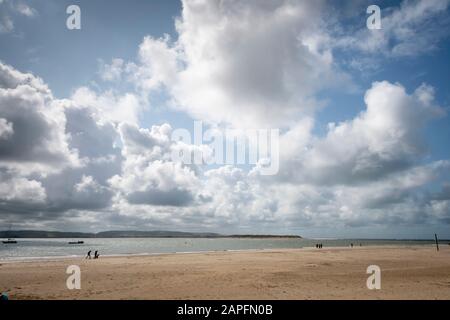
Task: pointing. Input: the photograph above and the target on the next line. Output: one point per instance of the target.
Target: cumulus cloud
(6, 129)
(19, 195)
(113, 71)
(55, 151)
(158, 65)
(241, 63)
(148, 174)
(21, 190)
(88, 192)
(110, 105)
(86, 187)
(152, 144)
(385, 138)
(11, 78)
(33, 126)
(253, 64)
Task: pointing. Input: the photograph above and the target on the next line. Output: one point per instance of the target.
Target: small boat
(76, 242)
(9, 241)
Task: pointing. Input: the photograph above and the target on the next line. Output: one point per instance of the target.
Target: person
(351, 245)
(96, 255)
(4, 296)
(88, 255)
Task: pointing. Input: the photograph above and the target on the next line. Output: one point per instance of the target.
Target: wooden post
(436, 239)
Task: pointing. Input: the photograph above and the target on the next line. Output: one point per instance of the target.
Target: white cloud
(6, 129)
(21, 190)
(385, 138)
(157, 64)
(251, 64)
(56, 151)
(36, 139)
(85, 187)
(11, 78)
(148, 174)
(156, 183)
(88, 193)
(113, 71)
(247, 64)
(152, 144)
(110, 105)
(24, 9)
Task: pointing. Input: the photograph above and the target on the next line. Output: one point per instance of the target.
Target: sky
(88, 116)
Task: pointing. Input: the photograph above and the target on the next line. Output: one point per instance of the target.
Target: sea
(31, 249)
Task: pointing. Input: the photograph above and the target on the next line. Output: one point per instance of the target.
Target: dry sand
(331, 273)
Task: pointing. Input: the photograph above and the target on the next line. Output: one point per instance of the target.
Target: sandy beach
(416, 272)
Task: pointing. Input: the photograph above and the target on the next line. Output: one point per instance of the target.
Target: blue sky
(293, 65)
(109, 29)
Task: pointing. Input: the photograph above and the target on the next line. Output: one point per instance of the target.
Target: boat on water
(76, 242)
(9, 241)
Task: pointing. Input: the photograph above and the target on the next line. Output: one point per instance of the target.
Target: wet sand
(416, 272)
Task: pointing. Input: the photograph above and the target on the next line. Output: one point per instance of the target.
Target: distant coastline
(134, 234)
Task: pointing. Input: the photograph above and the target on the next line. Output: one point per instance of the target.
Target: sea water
(51, 248)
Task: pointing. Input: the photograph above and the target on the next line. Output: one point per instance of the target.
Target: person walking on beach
(96, 255)
(88, 256)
